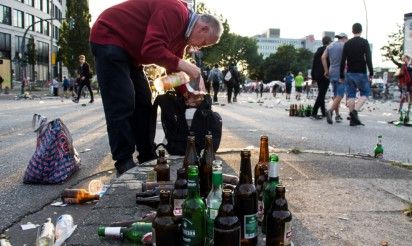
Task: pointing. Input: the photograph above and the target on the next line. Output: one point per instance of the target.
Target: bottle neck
(193, 187)
(191, 157)
(264, 151)
(245, 176)
(273, 171)
(227, 208)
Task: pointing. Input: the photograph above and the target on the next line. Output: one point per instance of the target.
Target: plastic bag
(55, 158)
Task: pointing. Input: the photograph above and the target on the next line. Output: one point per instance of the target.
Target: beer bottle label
(260, 212)
(250, 226)
(153, 237)
(288, 233)
(177, 209)
(69, 200)
(189, 233)
(112, 232)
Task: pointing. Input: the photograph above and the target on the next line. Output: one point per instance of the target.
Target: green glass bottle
(406, 118)
(134, 233)
(213, 201)
(379, 148)
(270, 187)
(194, 212)
(401, 115)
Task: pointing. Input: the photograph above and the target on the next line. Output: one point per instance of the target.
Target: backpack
(175, 126)
(228, 75)
(55, 158)
(216, 78)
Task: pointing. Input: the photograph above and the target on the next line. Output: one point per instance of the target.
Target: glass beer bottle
(191, 157)
(227, 224)
(133, 233)
(205, 170)
(379, 148)
(246, 201)
(164, 225)
(77, 196)
(180, 191)
(261, 174)
(279, 220)
(194, 212)
(270, 187)
(213, 201)
(162, 168)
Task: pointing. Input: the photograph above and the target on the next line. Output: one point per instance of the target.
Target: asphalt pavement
(337, 196)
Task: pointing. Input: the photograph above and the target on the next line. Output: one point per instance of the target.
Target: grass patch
(408, 211)
(402, 165)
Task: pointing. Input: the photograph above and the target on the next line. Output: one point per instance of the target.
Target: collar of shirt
(193, 17)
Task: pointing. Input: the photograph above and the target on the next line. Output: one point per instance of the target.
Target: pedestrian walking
(405, 81)
(288, 83)
(357, 58)
(84, 76)
(232, 82)
(66, 85)
(123, 38)
(333, 56)
(236, 82)
(299, 85)
(215, 77)
(318, 75)
(55, 85)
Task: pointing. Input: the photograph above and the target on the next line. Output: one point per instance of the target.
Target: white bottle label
(288, 233)
(112, 231)
(177, 209)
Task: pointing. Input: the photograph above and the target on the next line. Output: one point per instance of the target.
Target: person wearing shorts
(357, 58)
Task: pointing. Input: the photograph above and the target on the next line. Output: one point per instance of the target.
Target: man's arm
(324, 58)
(368, 57)
(343, 63)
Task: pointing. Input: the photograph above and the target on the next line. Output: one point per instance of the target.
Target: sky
(299, 18)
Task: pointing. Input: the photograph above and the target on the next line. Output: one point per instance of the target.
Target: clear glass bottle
(213, 201)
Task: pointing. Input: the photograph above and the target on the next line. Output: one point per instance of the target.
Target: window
(5, 45)
(42, 52)
(38, 27)
(29, 2)
(46, 29)
(5, 15)
(56, 32)
(46, 6)
(18, 18)
(18, 42)
(39, 4)
(28, 21)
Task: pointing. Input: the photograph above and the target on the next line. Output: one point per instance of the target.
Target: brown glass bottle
(206, 163)
(246, 201)
(191, 157)
(261, 169)
(77, 196)
(168, 185)
(179, 192)
(227, 224)
(162, 168)
(152, 201)
(165, 228)
(279, 220)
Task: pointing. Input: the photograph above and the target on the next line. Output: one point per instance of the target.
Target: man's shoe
(124, 165)
(75, 100)
(338, 118)
(354, 119)
(329, 114)
(234, 100)
(91, 101)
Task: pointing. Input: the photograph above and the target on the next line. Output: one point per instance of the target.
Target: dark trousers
(83, 83)
(229, 92)
(207, 86)
(126, 97)
(323, 85)
(215, 91)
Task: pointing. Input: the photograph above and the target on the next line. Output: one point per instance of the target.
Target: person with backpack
(124, 38)
(215, 77)
(288, 83)
(232, 82)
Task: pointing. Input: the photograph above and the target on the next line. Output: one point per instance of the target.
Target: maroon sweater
(150, 31)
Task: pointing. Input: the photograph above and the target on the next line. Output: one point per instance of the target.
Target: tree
(303, 61)
(74, 38)
(31, 55)
(393, 50)
(277, 65)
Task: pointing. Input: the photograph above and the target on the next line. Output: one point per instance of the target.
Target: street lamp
(366, 17)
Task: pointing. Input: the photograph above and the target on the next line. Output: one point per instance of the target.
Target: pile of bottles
(206, 207)
(300, 110)
(49, 235)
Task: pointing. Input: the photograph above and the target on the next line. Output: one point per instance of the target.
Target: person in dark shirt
(124, 38)
(356, 56)
(83, 79)
(318, 75)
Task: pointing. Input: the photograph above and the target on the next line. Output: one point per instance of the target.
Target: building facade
(270, 41)
(42, 19)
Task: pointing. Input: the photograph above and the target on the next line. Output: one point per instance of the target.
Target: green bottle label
(189, 232)
(250, 226)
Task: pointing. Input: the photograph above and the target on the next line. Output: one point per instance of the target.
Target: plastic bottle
(46, 235)
(64, 228)
(170, 81)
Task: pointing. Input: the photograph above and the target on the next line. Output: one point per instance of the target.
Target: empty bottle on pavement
(179, 192)
(165, 227)
(133, 233)
(46, 236)
(379, 148)
(269, 191)
(78, 196)
(213, 201)
(227, 224)
(205, 169)
(279, 220)
(162, 168)
(261, 169)
(246, 201)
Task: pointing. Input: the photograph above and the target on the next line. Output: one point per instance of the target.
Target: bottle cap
(95, 186)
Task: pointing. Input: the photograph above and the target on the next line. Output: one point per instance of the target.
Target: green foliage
(74, 38)
(393, 50)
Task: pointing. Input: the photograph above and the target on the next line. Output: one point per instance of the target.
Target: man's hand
(190, 69)
(326, 74)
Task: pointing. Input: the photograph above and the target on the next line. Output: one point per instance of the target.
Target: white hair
(216, 27)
